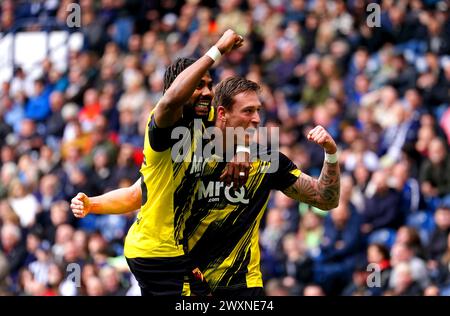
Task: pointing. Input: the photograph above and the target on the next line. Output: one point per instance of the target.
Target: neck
(222, 127)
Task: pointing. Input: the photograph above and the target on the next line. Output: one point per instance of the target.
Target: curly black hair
(175, 69)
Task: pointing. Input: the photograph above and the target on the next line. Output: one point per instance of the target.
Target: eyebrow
(251, 106)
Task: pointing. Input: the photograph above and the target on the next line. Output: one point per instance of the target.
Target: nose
(256, 119)
(206, 91)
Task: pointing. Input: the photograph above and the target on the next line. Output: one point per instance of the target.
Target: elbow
(136, 197)
(330, 197)
(329, 205)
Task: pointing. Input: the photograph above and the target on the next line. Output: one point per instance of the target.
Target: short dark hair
(175, 69)
(227, 89)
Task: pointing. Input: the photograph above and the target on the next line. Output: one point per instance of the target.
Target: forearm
(322, 192)
(326, 195)
(119, 201)
(186, 82)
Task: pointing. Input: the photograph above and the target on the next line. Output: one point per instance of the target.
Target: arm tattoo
(322, 193)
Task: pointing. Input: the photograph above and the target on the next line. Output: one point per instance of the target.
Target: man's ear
(221, 113)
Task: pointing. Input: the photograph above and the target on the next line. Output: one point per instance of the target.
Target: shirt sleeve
(286, 174)
(160, 138)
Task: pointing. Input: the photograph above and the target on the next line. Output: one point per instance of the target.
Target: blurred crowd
(382, 91)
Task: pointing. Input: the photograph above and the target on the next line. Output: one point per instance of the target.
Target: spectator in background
(408, 187)
(444, 269)
(310, 231)
(34, 239)
(425, 135)
(445, 121)
(135, 96)
(405, 284)
(101, 172)
(316, 91)
(110, 278)
(24, 204)
(21, 83)
(95, 287)
(381, 206)
(49, 161)
(109, 111)
(49, 192)
(404, 76)
(59, 215)
(359, 153)
(271, 242)
(55, 122)
(437, 36)
(410, 237)
(12, 113)
(435, 182)
(63, 235)
(378, 254)
(29, 139)
(58, 284)
(359, 284)
(126, 166)
(100, 139)
(13, 248)
(38, 106)
(340, 248)
(297, 264)
(40, 268)
(8, 174)
(403, 253)
(90, 111)
(438, 239)
(128, 131)
(4, 271)
(431, 290)
(313, 290)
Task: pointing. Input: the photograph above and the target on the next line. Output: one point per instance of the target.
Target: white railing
(29, 49)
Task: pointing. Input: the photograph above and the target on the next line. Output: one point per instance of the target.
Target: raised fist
(229, 40)
(80, 205)
(321, 137)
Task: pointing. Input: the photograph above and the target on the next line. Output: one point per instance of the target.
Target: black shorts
(160, 276)
(233, 292)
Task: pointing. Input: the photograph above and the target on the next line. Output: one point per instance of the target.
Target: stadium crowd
(381, 91)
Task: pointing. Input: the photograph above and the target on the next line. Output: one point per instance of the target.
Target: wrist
(331, 158)
(214, 53)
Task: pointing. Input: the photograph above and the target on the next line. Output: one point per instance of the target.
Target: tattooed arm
(323, 192)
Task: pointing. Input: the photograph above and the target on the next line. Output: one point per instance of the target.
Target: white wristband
(242, 149)
(214, 53)
(331, 158)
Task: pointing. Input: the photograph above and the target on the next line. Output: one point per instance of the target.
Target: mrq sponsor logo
(213, 190)
(219, 145)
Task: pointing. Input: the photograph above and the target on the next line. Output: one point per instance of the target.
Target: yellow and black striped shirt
(222, 231)
(168, 190)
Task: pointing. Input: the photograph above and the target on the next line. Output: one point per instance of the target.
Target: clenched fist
(80, 205)
(229, 40)
(321, 137)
